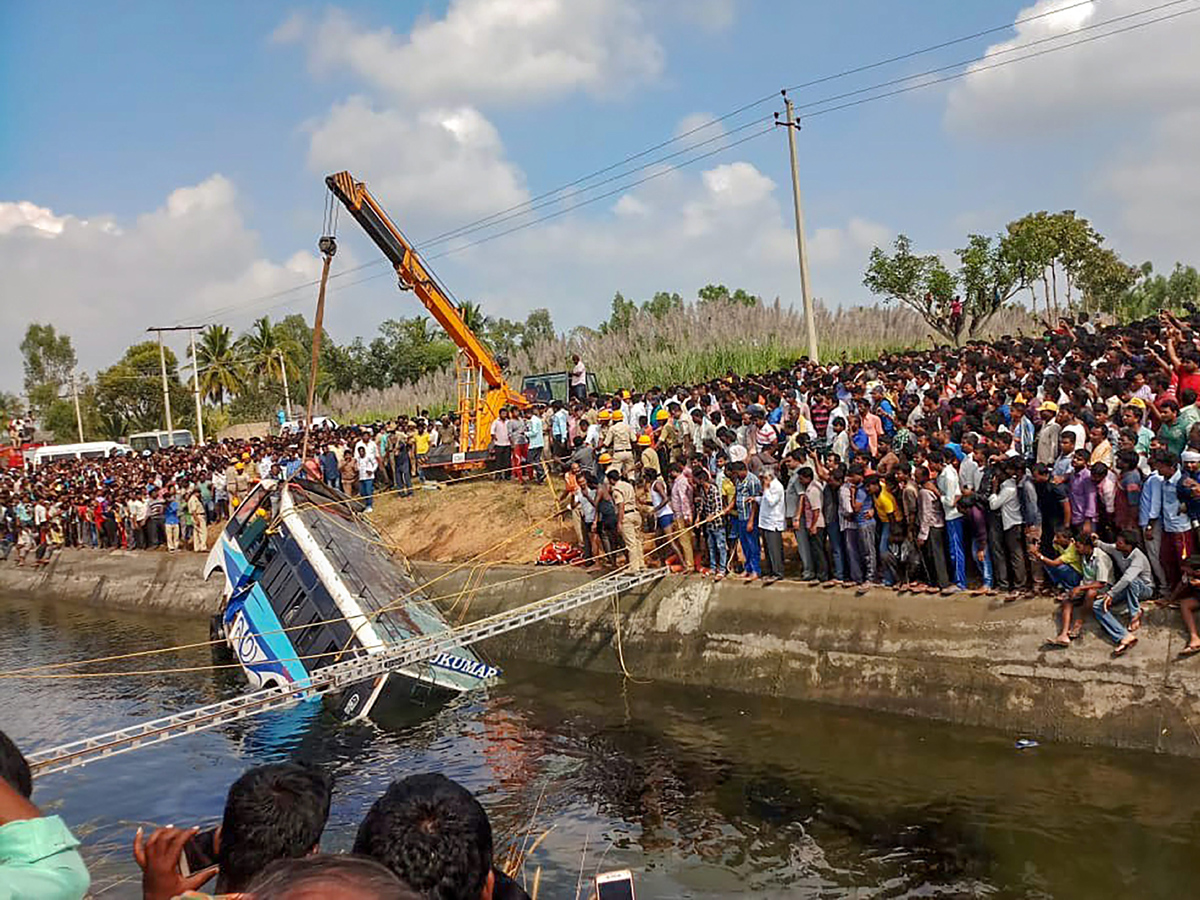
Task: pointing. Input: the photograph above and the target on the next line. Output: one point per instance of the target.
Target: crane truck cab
(551, 386)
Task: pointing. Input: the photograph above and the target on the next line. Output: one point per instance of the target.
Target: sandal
(1136, 622)
(1123, 648)
(1055, 644)
(1189, 651)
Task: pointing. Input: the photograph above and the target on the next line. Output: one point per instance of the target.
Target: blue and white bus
(308, 582)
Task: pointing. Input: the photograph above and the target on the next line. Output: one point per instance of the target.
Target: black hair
(276, 811)
(433, 833)
(355, 875)
(14, 768)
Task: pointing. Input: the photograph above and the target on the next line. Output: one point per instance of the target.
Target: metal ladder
(331, 677)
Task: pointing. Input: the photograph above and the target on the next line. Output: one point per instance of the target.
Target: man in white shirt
(578, 379)
(366, 465)
(951, 493)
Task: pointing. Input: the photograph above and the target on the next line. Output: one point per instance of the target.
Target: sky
(163, 164)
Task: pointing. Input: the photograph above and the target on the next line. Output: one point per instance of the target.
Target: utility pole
(196, 391)
(162, 363)
(793, 125)
(162, 359)
(78, 416)
(287, 394)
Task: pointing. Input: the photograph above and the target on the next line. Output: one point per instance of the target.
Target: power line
(1007, 62)
(212, 315)
(456, 232)
(614, 191)
(923, 84)
(1008, 50)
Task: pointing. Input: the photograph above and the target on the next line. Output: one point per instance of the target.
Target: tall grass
(686, 346)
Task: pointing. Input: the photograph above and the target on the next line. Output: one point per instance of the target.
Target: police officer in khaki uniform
(628, 519)
(620, 441)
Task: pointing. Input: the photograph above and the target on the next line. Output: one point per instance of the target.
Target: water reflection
(703, 795)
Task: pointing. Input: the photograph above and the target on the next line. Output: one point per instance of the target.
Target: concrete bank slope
(150, 581)
(969, 660)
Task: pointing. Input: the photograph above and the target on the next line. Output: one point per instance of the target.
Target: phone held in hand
(617, 885)
(199, 852)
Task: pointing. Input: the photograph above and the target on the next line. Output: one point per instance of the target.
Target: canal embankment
(965, 660)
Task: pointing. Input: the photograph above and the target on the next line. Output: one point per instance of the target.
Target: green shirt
(38, 861)
(1174, 436)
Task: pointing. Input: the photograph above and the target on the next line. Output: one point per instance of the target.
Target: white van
(157, 440)
(87, 450)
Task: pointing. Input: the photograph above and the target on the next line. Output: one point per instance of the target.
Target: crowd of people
(1066, 464)
(426, 838)
(167, 499)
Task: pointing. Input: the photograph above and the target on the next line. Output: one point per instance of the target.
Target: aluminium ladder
(330, 678)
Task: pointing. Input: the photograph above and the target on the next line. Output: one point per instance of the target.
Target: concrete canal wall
(968, 660)
(160, 583)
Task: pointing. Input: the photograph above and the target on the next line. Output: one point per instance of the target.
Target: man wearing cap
(649, 460)
(619, 441)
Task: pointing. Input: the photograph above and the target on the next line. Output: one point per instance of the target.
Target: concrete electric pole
(78, 415)
(287, 394)
(793, 125)
(162, 359)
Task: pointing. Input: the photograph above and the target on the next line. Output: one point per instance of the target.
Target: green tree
(129, 392)
(744, 298)
(222, 374)
(662, 303)
(49, 361)
(1060, 252)
(60, 418)
(504, 336)
(623, 312)
(713, 293)
(539, 328)
(922, 283)
(266, 350)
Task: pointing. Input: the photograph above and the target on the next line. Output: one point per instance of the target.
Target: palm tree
(221, 372)
(262, 348)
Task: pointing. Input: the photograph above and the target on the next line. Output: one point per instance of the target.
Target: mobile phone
(199, 852)
(616, 885)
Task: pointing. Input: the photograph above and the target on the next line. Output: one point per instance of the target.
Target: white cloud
(432, 167)
(103, 284)
(490, 51)
(29, 216)
(1141, 72)
(730, 224)
(1132, 99)
(850, 244)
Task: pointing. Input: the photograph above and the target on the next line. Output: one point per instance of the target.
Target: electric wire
(239, 306)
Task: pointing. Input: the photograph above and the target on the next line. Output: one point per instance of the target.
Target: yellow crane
(482, 388)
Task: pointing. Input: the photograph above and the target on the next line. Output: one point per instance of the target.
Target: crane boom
(477, 410)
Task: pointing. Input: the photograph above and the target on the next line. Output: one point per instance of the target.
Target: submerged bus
(308, 583)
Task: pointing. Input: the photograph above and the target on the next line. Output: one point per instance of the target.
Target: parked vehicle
(158, 440)
(87, 450)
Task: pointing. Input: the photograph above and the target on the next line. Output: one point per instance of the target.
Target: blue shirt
(171, 514)
(1150, 506)
(1175, 518)
(747, 490)
(558, 425)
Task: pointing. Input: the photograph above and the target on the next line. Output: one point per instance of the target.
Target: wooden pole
(328, 248)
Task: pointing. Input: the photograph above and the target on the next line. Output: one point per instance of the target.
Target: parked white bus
(87, 450)
(157, 440)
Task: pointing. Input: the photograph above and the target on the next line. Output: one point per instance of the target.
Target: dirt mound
(461, 521)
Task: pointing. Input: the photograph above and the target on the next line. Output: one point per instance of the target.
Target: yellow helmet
(605, 459)
(644, 440)
(661, 416)
(605, 415)
(618, 416)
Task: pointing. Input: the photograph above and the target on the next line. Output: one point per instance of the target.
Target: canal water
(701, 794)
